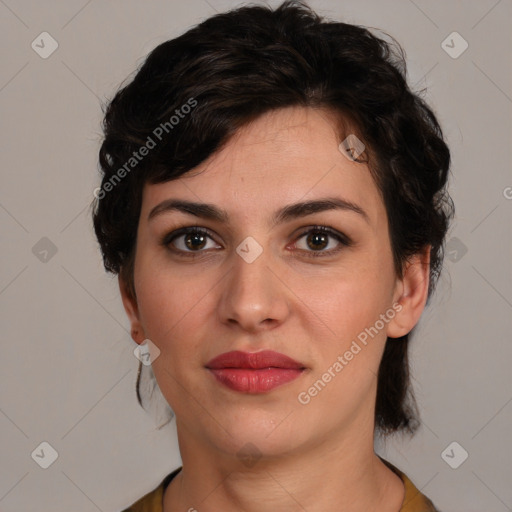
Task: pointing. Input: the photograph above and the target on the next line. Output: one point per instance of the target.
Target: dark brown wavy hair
(192, 93)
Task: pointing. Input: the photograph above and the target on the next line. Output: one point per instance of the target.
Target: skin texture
(318, 456)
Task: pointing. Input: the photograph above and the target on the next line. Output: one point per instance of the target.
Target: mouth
(254, 372)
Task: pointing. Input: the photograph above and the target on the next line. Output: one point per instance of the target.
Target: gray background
(67, 366)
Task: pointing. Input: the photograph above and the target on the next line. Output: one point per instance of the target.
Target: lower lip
(255, 381)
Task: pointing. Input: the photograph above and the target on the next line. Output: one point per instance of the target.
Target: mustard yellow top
(414, 501)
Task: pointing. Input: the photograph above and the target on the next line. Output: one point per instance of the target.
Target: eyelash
(342, 239)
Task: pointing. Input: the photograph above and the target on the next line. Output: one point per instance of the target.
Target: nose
(253, 297)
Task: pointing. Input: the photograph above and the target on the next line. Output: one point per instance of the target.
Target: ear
(132, 311)
(411, 292)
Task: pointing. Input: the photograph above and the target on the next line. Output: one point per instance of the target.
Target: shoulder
(153, 501)
(414, 500)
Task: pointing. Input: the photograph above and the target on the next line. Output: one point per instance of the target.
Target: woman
(274, 202)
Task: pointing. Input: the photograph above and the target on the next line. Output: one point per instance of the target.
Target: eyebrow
(287, 213)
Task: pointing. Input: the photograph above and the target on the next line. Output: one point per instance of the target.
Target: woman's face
(261, 279)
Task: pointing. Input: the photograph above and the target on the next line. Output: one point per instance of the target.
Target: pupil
(319, 238)
(194, 238)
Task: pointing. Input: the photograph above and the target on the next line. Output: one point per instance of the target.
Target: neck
(336, 475)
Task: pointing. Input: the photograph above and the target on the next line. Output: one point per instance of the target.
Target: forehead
(282, 157)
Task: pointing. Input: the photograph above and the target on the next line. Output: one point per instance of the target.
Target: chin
(265, 433)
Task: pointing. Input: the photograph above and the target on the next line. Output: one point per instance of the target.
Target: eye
(190, 240)
(317, 240)
(193, 240)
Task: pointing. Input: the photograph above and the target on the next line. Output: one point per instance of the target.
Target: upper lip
(253, 360)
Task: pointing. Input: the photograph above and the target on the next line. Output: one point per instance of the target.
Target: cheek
(350, 314)
(352, 299)
(354, 303)
(170, 303)
(171, 314)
